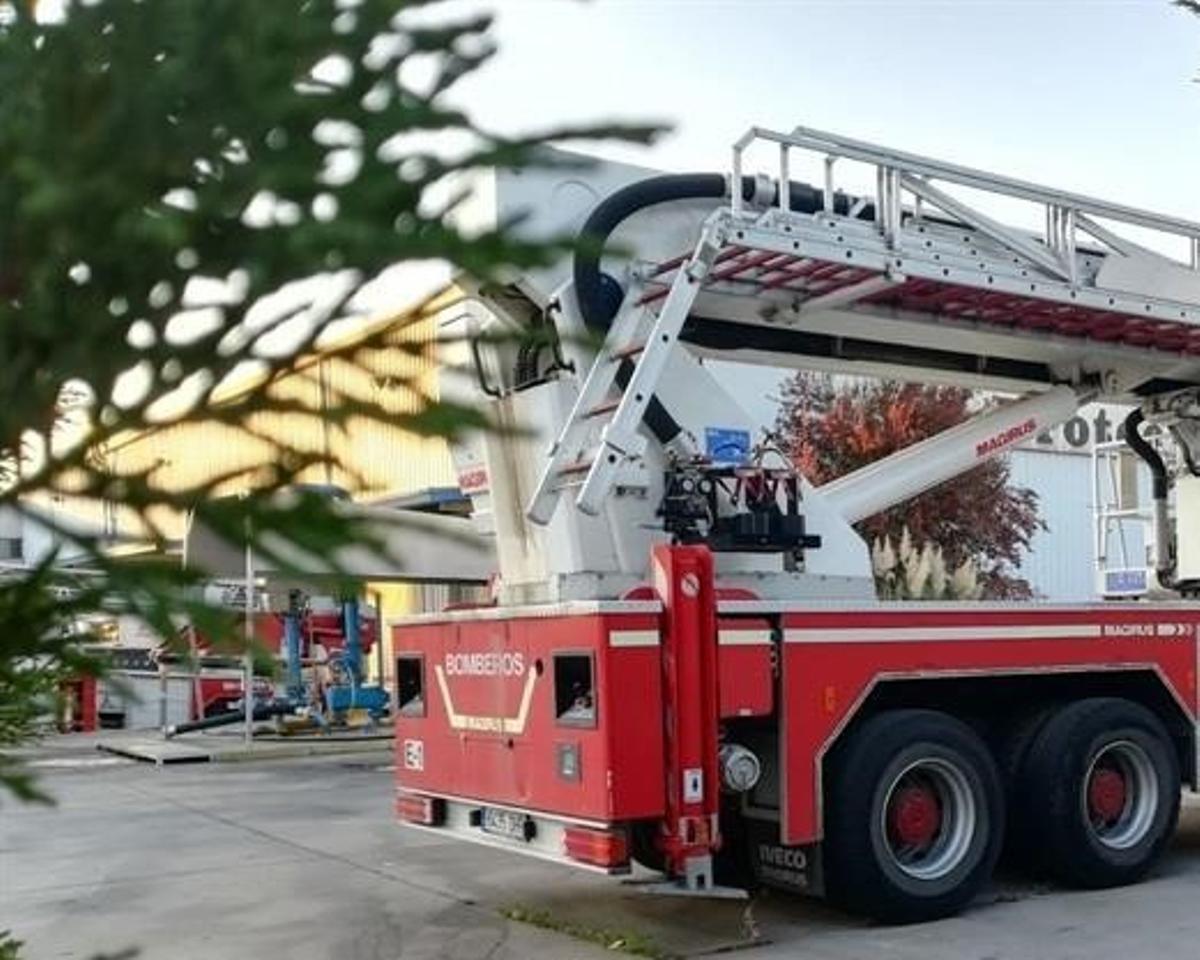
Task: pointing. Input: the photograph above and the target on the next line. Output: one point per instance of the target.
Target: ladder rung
(624, 353)
(797, 271)
(602, 408)
(668, 265)
(754, 261)
(770, 262)
(652, 296)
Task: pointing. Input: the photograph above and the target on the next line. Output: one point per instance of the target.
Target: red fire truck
(687, 666)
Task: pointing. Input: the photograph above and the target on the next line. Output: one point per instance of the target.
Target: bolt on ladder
(620, 442)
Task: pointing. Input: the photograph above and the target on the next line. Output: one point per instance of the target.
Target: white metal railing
(1066, 213)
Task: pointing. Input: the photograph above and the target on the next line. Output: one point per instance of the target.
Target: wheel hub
(1107, 794)
(914, 818)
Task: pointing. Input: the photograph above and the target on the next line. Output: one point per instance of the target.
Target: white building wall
(1059, 564)
(25, 541)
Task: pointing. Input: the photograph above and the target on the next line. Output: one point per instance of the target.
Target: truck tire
(1011, 751)
(731, 864)
(914, 817)
(643, 846)
(1100, 793)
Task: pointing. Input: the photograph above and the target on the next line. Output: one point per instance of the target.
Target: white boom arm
(923, 465)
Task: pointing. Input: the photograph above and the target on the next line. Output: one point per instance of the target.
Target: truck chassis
(898, 745)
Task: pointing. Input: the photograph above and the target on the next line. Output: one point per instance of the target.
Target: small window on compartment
(410, 685)
(574, 690)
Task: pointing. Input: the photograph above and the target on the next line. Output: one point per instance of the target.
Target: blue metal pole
(291, 636)
(352, 654)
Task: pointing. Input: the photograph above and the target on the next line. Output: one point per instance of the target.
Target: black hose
(1160, 485)
(261, 712)
(1139, 445)
(599, 295)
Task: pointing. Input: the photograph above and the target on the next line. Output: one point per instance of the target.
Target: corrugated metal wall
(373, 456)
(1059, 564)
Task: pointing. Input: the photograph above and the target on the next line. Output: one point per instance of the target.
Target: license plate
(505, 823)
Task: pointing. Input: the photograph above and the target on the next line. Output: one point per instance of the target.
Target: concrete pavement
(301, 859)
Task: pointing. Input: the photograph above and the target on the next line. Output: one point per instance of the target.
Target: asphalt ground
(301, 858)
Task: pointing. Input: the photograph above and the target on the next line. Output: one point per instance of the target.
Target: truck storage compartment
(559, 715)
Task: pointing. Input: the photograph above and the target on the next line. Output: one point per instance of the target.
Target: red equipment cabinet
(503, 709)
(80, 711)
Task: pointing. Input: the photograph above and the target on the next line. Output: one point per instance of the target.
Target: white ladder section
(628, 341)
(923, 252)
(1075, 273)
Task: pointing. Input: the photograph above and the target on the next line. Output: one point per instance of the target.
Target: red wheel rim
(1107, 795)
(1121, 797)
(929, 819)
(914, 817)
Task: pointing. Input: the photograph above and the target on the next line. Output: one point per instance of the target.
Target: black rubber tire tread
(732, 865)
(855, 875)
(1051, 791)
(642, 847)
(1011, 753)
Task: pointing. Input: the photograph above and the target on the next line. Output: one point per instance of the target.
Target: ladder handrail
(836, 146)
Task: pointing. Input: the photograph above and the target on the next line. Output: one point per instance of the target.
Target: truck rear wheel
(914, 817)
(1100, 789)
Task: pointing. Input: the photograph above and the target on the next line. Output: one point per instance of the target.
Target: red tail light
(601, 848)
(415, 808)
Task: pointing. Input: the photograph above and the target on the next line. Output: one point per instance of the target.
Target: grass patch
(622, 941)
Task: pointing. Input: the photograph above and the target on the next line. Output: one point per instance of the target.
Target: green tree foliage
(10, 947)
(979, 518)
(184, 187)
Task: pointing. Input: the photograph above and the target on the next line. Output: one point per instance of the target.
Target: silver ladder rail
(949, 261)
(620, 441)
(1066, 213)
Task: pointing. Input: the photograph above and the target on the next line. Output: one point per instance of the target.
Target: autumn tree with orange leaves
(831, 427)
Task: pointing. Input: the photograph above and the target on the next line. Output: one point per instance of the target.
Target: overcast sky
(1099, 97)
(1093, 95)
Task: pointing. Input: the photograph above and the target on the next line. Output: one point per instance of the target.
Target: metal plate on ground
(156, 751)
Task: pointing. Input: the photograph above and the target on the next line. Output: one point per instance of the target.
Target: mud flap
(794, 869)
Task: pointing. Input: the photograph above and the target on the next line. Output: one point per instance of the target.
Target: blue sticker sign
(727, 446)
(1126, 582)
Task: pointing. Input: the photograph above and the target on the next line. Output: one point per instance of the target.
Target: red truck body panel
(491, 728)
(744, 668)
(489, 731)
